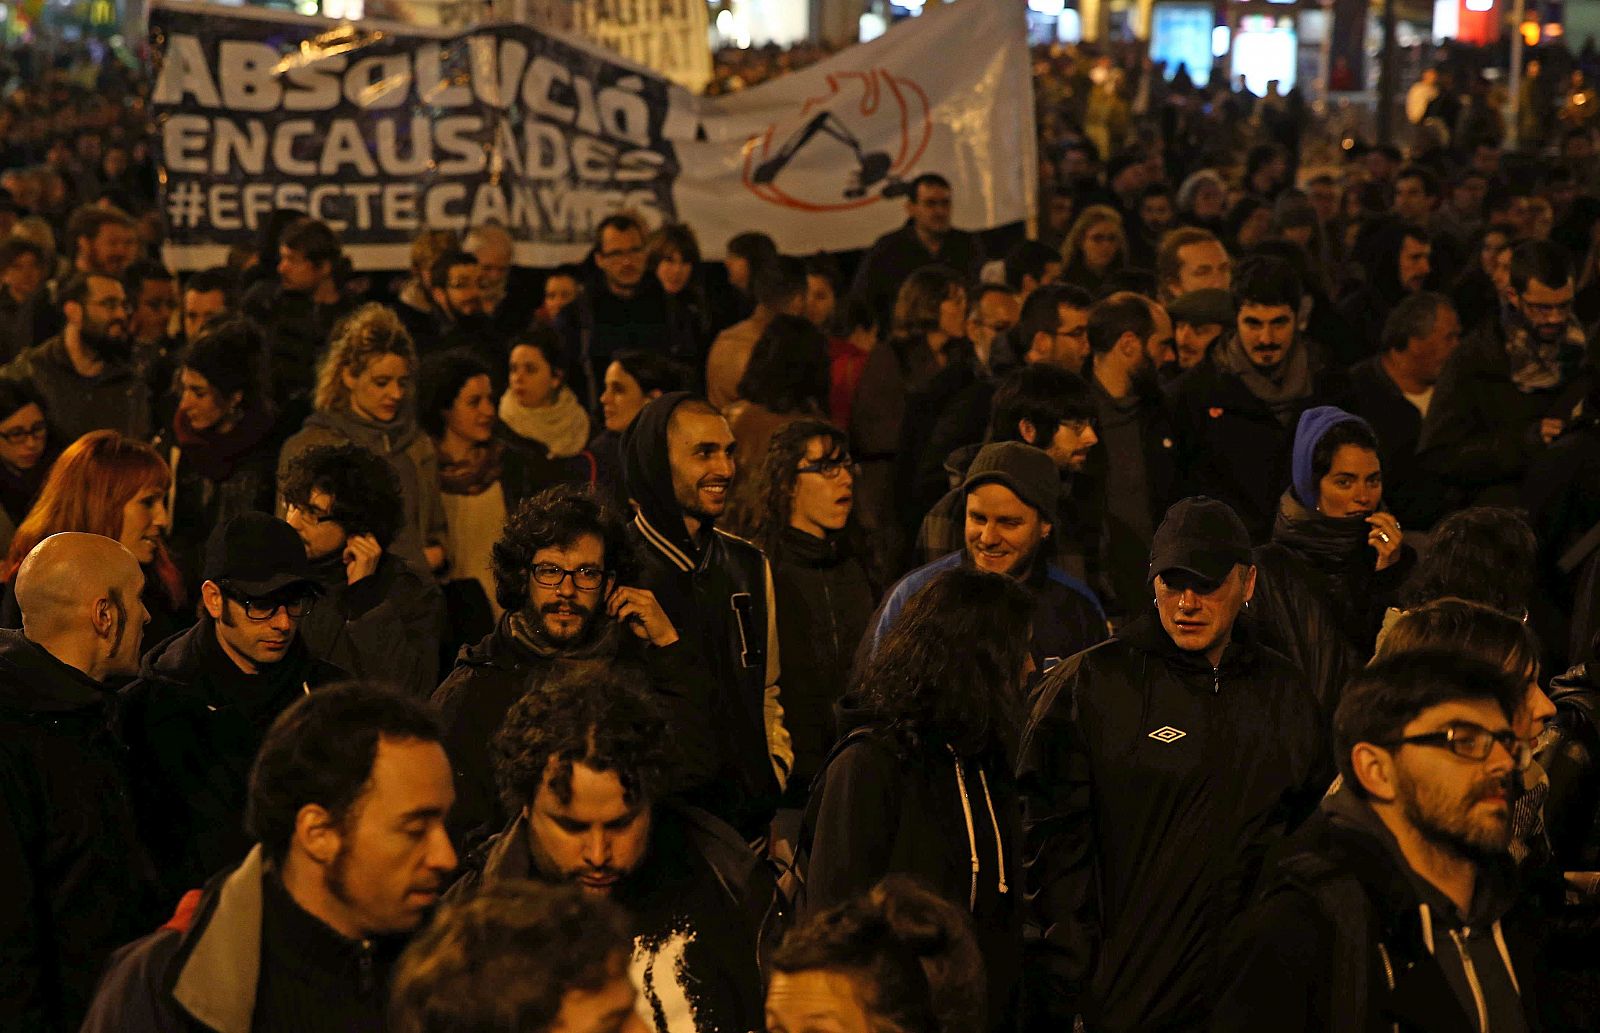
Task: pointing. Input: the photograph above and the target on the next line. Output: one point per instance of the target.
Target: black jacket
(1152, 787)
(1346, 938)
(296, 329)
(825, 602)
(1481, 433)
(193, 723)
(1319, 598)
(695, 906)
(1411, 492)
(242, 957)
(717, 591)
(899, 253)
(490, 677)
(383, 628)
(198, 504)
(600, 323)
(1570, 754)
(116, 399)
(1231, 446)
(76, 883)
(884, 806)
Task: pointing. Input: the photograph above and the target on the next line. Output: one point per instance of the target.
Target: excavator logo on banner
(823, 163)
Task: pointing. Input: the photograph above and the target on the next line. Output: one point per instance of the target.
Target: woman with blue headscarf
(1336, 558)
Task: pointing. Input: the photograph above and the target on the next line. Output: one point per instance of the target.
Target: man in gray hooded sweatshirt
(1384, 910)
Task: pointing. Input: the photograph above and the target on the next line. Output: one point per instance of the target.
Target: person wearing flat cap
(1011, 491)
(205, 698)
(1156, 770)
(1198, 321)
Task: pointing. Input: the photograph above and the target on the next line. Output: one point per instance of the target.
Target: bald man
(76, 885)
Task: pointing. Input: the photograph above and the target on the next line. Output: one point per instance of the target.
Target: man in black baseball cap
(1203, 748)
(206, 696)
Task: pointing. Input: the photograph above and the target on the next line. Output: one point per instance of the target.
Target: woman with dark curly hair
(802, 514)
(923, 784)
(897, 956)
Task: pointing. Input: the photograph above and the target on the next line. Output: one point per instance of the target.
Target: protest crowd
(1174, 614)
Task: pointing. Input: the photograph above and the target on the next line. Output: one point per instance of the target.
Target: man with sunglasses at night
(563, 573)
(1384, 909)
(206, 696)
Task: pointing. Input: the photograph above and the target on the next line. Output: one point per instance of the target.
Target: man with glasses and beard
(562, 572)
(678, 463)
(85, 374)
(584, 767)
(460, 315)
(347, 805)
(1385, 909)
(206, 697)
(1505, 392)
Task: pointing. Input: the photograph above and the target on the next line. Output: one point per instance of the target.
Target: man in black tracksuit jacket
(717, 591)
(1154, 779)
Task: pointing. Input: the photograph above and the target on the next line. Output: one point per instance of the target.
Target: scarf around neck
(1539, 365)
(473, 475)
(216, 454)
(1280, 389)
(1332, 545)
(562, 426)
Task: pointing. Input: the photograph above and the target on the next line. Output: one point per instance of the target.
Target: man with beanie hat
(678, 464)
(1156, 770)
(205, 698)
(1011, 493)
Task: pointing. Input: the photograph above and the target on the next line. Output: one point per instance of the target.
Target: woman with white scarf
(539, 405)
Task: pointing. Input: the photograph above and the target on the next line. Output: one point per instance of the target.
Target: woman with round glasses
(1094, 249)
(26, 454)
(823, 577)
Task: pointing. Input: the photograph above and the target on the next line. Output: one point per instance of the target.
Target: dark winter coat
(1152, 786)
(899, 253)
(1570, 755)
(74, 405)
(193, 722)
(77, 885)
(1410, 491)
(384, 628)
(490, 677)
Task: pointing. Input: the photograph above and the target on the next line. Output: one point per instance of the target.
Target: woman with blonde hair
(365, 395)
(1095, 247)
(111, 485)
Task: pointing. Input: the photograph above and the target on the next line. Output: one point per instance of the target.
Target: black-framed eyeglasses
(550, 575)
(32, 432)
(265, 609)
(831, 467)
(1471, 742)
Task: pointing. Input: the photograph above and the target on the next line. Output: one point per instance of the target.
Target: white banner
(383, 130)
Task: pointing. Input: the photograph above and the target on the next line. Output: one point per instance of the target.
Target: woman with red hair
(108, 484)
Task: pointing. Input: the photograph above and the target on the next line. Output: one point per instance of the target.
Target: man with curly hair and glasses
(205, 698)
(582, 764)
(562, 572)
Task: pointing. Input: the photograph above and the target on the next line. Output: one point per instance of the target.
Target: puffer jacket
(407, 450)
(1319, 601)
(1153, 785)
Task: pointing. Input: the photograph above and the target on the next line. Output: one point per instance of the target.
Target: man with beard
(1505, 392)
(562, 572)
(1156, 770)
(205, 697)
(85, 374)
(582, 762)
(717, 590)
(1385, 909)
(377, 618)
(620, 309)
(347, 805)
(1132, 470)
(1398, 259)
(1234, 414)
(1011, 493)
(460, 317)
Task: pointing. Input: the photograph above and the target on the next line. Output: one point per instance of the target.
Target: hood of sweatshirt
(647, 476)
(381, 438)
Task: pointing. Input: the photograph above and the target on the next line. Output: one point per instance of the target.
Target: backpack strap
(792, 880)
(1343, 900)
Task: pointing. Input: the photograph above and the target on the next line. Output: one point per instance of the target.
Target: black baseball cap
(257, 555)
(1200, 536)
